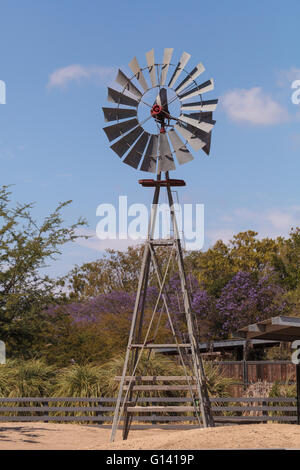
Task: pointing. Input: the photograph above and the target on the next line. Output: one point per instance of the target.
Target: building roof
(222, 345)
(275, 328)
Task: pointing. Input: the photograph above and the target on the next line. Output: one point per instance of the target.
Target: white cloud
(270, 223)
(253, 106)
(94, 243)
(224, 234)
(76, 72)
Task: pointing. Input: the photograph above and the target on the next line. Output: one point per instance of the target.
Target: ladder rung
(147, 409)
(162, 242)
(161, 387)
(158, 346)
(158, 378)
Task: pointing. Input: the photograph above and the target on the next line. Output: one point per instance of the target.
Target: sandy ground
(72, 436)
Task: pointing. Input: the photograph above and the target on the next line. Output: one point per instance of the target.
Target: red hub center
(156, 110)
(158, 114)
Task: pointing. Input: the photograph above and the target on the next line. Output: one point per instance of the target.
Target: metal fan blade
(180, 66)
(151, 67)
(192, 139)
(204, 136)
(203, 88)
(134, 157)
(165, 158)
(182, 153)
(204, 126)
(116, 97)
(150, 158)
(116, 130)
(206, 116)
(166, 62)
(125, 82)
(190, 78)
(136, 69)
(123, 144)
(206, 149)
(209, 105)
(114, 114)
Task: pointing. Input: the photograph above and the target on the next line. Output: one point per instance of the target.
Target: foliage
(287, 262)
(245, 300)
(79, 381)
(215, 267)
(31, 378)
(218, 385)
(25, 248)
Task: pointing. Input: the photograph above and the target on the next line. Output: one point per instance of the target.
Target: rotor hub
(156, 110)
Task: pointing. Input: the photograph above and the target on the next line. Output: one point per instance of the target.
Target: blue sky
(57, 58)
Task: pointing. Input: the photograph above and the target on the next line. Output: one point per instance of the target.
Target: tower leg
(196, 356)
(133, 330)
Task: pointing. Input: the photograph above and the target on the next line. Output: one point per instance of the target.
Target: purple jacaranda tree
(245, 300)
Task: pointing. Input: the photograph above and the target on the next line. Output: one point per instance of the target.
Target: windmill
(156, 127)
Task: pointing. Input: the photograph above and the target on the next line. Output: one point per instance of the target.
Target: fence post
(99, 413)
(245, 364)
(46, 403)
(265, 412)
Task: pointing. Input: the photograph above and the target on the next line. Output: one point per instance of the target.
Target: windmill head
(174, 137)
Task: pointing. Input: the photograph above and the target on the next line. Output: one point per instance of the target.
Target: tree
(115, 271)
(25, 248)
(245, 300)
(213, 268)
(287, 261)
(245, 252)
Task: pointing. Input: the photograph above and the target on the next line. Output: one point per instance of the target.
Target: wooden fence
(100, 410)
(247, 372)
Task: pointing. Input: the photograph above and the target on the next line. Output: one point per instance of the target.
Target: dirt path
(73, 436)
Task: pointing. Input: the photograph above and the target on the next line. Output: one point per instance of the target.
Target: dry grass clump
(260, 389)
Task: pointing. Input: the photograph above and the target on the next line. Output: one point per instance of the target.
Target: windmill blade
(182, 153)
(206, 116)
(180, 66)
(116, 130)
(134, 157)
(123, 144)
(116, 97)
(166, 62)
(151, 67)
(191, 77)
(204, 126)
(125, 82)
(165, 158)
(206, 149)
(136, 69)
(203, 136)
(150, 158)
(195, 142)
(209, 105)
(115, 114)
(203, 88)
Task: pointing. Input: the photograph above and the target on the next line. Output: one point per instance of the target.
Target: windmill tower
(151, 122)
